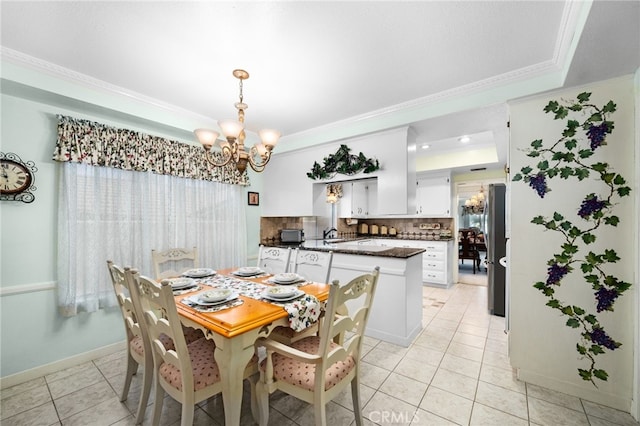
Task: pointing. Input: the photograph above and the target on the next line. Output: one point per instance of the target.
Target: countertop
(343, 246)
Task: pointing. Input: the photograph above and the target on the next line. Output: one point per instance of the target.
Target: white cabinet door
(433, 196)
(357, 198)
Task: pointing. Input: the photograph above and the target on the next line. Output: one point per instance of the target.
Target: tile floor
(455, 373)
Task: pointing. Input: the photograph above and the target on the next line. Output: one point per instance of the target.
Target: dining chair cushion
(300, 373)
(205, 368)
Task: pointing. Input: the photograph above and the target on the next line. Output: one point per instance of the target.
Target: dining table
(236, 327)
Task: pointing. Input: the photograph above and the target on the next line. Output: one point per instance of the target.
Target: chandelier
(233, 149)
(475, 204)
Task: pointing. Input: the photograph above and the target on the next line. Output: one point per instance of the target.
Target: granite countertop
(345, 248)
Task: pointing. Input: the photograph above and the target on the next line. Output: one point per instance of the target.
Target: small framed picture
(254, 198)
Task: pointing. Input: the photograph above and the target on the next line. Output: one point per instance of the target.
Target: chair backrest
(466, 244)
(123, 294)
(336, 321)
(172, 262)
(274, 259)
(157, 306)
(313, 265)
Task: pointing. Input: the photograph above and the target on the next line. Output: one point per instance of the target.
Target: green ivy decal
(344, 163)
(568, 158)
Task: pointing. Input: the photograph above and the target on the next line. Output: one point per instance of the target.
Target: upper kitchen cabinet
(287, 191)
(433, 196)
(359, 199)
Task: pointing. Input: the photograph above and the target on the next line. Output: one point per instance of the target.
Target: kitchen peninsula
(396, 315)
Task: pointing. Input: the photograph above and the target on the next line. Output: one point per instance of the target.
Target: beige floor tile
(394, 349)
(435, 331)
(425, 418)
(74, 382)
(460, 365)
(548, 414)
(554, 397)
(416, 370)
(387, 410)
(21, 402)
(611, 414)
(497, 359)
(404, 388)
(447, 405)
(22, 387)
(383, 359)
(501, 377)
(345, 399)
(335, 414)
(471, 328)
(502, 399)
(105, 413)
(372, 375)
(487, 416)
(465, 351)
(441, 323)
(596, 421)
(469, 339)
(83, 399)
(76, 369)
(455, 383)
(437, 343)
(501, 346)
(426, 355)
(44, 414)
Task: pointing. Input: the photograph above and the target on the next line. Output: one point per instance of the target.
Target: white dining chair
(174, 261)
(317, 368)
(188, 372)
(274, 260)
(313, 265)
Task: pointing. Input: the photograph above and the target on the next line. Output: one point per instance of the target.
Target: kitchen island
(396, 314)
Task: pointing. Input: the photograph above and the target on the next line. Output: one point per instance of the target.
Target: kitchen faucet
(327, 234)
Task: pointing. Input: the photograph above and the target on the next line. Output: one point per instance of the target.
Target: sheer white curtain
(106, 213)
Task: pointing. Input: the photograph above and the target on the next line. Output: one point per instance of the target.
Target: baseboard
(43, 370)
(593, 395)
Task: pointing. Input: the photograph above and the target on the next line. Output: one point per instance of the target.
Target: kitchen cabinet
(433, 196)
(359, 199)
(437, 269)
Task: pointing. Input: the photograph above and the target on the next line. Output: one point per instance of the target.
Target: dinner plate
(297, 294)
(180, 283)
(198, 272)
(196, 299)
(280, 292)
(248, 271)
(286, 278)
(215, 295)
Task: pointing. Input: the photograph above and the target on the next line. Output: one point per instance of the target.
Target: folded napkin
(191, 289)
(303, 312)
(297, 283)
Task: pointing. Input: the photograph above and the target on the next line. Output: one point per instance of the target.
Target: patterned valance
(88, 142)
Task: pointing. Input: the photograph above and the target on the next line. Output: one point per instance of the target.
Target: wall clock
(17, 178)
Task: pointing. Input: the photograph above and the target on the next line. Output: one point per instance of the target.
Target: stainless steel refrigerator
(496, 249)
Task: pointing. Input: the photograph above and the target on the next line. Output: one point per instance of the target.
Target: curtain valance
(88, 142)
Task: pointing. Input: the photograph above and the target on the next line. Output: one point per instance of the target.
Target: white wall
(542, 348)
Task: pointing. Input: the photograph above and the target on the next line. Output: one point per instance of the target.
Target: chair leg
(132, 368)
(253, 380)
(187, 414)
(157, 404)
(355, 396)
(146, 390)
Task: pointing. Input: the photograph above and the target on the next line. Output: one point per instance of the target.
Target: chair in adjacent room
(274, 260)
(136, 353)
(467, 248)
(313, 266)
(172, 262)
(316, 369)
(188, 372)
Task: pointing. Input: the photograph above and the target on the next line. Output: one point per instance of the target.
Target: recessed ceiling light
(426, 146)
(464, 139)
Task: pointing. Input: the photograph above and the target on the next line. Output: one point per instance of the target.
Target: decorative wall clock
(17, 178)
